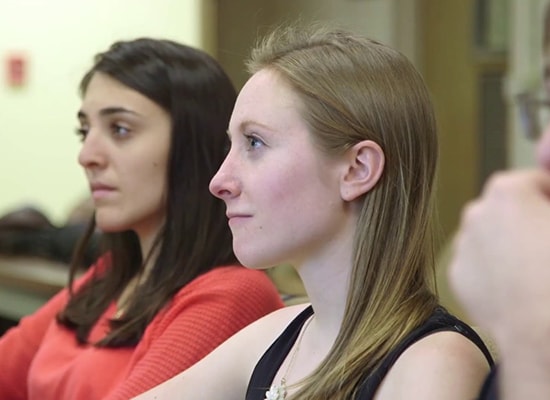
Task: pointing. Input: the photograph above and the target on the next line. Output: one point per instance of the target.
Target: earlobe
(365, 167)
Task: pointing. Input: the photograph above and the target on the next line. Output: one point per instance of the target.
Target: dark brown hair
(192, 87)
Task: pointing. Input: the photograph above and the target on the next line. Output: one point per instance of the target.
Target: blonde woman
(331, 169)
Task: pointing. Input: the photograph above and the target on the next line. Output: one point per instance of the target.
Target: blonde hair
(355, 89)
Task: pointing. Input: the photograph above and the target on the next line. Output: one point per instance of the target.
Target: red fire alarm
(16, 70)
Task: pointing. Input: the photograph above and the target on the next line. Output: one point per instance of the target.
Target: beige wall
(38, 149)
(452, 69)
(449, 69)
(240, 22)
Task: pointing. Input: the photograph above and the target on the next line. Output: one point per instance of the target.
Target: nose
(92, 153)
(543, 149)
(224, 184)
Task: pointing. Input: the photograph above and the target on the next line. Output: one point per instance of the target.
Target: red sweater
(41, 360)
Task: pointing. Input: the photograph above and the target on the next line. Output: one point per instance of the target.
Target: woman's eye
(82, 132)
(253, 142)
(120, 131)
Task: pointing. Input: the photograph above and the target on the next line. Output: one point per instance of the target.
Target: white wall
(38, 148)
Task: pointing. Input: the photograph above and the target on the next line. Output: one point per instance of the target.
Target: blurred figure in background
(28, 232)
(501, 264)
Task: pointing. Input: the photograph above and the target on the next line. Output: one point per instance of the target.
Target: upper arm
(197, 322)
(444, 365)
(225, 372)
(18, 346)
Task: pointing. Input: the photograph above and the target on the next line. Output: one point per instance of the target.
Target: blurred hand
(500, 269)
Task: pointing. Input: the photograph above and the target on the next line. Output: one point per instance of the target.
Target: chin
(110, 229)
(109, 226)
(255, 262)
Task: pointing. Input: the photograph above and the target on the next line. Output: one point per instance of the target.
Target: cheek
(158, 165)
(286, 186)
(146, 183)
(295, 198)
(159, 179)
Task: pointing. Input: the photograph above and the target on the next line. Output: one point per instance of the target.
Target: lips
(101, 190)
(236, 217)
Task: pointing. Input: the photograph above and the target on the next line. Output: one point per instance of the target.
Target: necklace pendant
(276, 392)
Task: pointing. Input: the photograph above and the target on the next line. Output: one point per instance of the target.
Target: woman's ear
(365, 164)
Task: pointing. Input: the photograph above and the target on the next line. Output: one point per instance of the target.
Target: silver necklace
(279, 391)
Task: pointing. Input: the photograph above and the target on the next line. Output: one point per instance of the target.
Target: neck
(146, 241)
(326, 281)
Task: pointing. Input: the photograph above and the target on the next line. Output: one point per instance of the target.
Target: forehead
(101, 83)
(105, 91)
(267, 99)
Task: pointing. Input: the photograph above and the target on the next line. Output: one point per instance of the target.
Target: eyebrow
(108, 111)
(246, 123)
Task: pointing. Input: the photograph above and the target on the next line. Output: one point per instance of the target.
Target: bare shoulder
(266, 329)
(283, 315)
(258, 336)
(444, 365)
(231, 363)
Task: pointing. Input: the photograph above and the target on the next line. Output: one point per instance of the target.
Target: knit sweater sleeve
(203, 314)
(19, 345)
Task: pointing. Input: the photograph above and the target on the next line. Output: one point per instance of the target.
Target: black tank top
(266, 369)
(489, 391)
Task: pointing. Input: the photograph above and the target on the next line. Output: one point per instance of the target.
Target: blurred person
(26, 232)
(500, 265)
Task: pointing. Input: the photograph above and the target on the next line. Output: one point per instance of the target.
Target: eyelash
(82, 131)
(116, 127)
(252, 138)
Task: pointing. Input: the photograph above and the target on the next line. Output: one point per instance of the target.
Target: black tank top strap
(440, 321)
(266, 369)
(489, 390)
